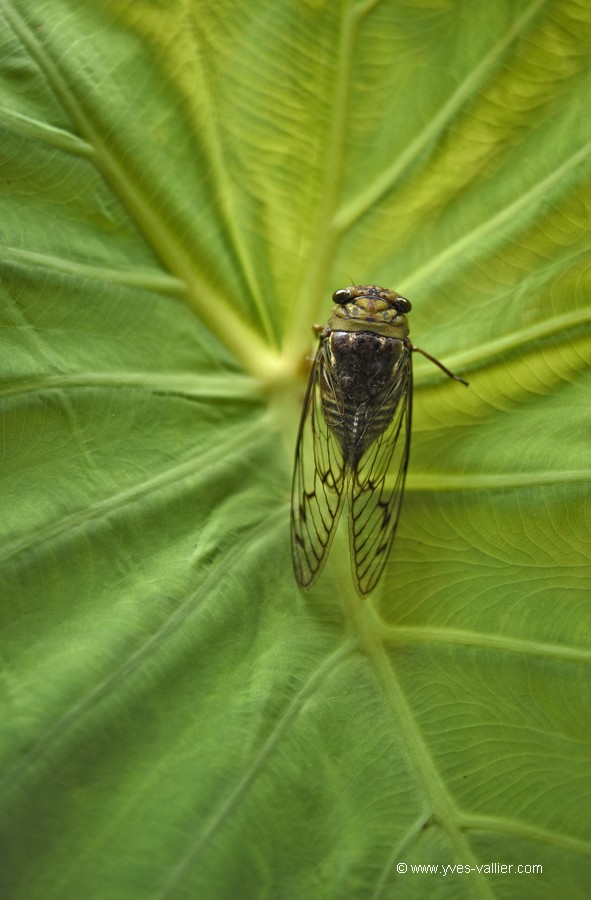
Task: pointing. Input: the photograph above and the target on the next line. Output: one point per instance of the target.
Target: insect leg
(440, 364)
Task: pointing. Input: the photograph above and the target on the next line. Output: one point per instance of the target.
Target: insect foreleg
(440, 364)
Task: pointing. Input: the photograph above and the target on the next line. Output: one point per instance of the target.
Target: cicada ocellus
(354, 436)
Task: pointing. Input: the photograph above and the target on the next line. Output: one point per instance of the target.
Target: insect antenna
(441, 366)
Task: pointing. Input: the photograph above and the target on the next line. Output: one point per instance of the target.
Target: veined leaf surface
(184, 184)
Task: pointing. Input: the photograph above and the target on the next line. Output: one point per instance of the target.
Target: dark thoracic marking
(362, 365)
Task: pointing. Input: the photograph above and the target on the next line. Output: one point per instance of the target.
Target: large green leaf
(183, 185)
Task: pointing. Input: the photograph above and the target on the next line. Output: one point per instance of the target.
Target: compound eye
(342, 297)
(402, 305)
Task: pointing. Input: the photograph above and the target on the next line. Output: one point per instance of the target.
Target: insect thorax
(359, 394)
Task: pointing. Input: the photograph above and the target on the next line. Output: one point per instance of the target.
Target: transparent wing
(317, 491)
(377, 485)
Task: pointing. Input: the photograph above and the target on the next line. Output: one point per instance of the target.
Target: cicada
(354, 438)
